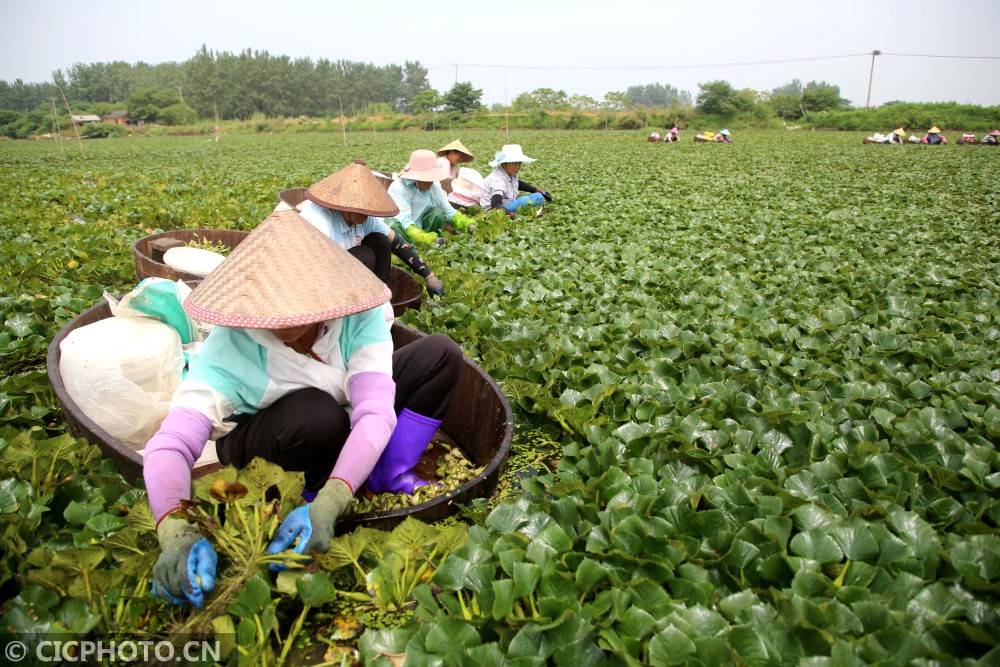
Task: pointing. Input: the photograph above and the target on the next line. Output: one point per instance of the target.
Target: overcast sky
(39, 36)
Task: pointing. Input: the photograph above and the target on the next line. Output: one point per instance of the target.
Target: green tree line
(232, 85)
(252, 84)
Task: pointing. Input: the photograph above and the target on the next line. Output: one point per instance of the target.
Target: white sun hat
(511, 153)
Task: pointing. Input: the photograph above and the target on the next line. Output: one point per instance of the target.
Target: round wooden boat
(406, 291)
(479, 421)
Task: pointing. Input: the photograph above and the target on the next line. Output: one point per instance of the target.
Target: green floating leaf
(817, 546)
(315, 589)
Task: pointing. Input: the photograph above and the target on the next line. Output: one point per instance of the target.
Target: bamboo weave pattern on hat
(457, 145)
(285, 274)
(353, 189)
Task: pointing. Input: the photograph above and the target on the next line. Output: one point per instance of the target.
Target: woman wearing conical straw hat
(500, 189)
(991, 139)
(934, 137)
(299, 370)
(450, 156)
(348, 207)
(423, 205)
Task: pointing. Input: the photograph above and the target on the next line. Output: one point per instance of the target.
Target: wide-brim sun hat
(423, 166)
(285, 274)
(994, 133)
(510, 153)
(724, 132)
(899, 131)
(353, 189)
(934, 130)
(459, 147)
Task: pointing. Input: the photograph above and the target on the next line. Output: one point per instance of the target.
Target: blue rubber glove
(309, 528)
(185, 570)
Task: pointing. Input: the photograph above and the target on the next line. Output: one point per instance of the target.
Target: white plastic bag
(466, 188)
(159, 299)
(122, 373)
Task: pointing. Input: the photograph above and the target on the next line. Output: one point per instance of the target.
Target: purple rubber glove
(372, 421)
(169, 456)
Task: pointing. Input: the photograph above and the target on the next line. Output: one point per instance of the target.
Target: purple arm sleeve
(372, 420)
(169, 457)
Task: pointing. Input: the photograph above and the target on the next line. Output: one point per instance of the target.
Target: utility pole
(343, 127)
(55, 128)
(79, 141)
(871, 74)
(506, 109)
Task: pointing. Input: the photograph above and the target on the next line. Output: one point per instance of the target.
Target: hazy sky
(39, 36)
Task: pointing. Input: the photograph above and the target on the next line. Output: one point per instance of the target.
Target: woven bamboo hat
(285, 274)
(934, 130)
(457, 146)
(353, 189)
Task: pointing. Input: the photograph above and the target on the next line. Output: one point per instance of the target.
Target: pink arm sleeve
(373, 419)
(169, 457)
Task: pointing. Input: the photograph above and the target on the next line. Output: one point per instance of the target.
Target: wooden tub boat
(479, 421)
(406, 291)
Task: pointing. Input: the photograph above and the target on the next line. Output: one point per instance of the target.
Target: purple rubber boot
(393, 472)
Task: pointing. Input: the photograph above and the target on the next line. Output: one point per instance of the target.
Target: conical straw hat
(353, 189)
(457, 146)
(285, 274)
(934, 130)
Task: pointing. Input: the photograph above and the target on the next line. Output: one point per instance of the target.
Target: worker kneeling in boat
(299, 370)
(934, 137)
(422, 203)
(501, 187)
(348, 206)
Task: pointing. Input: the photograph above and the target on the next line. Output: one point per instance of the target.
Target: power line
(932, 55)
(651, 67)
(752, 63)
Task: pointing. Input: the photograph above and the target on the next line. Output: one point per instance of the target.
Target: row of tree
(714, 97)
(233, 85)
(220, 84)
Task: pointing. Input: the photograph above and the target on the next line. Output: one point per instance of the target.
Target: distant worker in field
(347, 207)
(934, 137)
(423, 206)
(705, 136)
(654, 137)
(991, 139)
(724, 137)
(500, 189)
(673, 135)
(449, 158)
(894, 137)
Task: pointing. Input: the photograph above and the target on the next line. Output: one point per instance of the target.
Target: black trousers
(374, 252)
(305, 430)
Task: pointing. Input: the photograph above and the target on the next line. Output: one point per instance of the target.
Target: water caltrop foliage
(774, 367)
